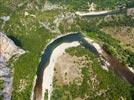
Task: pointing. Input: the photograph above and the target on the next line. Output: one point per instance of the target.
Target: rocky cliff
(8, 49)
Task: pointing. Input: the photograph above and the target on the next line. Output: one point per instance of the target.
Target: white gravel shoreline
(93, 13)
(49, 71)
(58, 51)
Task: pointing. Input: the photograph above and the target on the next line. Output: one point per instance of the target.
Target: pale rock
(5, 18)
(7, 50)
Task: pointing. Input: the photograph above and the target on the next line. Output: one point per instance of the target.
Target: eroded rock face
(7, 50)
(7, 78)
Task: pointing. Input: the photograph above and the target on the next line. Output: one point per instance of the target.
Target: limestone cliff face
(8, 49)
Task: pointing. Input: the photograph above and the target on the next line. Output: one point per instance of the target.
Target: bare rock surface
(69, 70)
(49, 6)
(130, 12)
(8, 49)
(61, 18)
(5, 18)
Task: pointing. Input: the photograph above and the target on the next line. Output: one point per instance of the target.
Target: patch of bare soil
(124, 34)
(68, 68)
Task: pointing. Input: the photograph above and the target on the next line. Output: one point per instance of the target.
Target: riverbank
(49, 71)
(57, 52)
(93, 13)
(55, 49)
(89, 76)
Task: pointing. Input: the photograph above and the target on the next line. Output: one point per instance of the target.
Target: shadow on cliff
(15, 40)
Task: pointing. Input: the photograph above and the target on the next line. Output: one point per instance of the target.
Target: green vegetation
(46, 95)
(96, 84)
(26, 66)
(29, 34)
(1, 84)
(117, 20)
(114, 47)
(32, 37)
(1, 88)
(83, 4)
(1, 97)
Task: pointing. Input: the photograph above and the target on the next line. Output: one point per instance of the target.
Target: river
(115, 65)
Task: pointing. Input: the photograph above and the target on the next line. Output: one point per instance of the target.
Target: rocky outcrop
(8, 49)
(130, 11)
(49, 6)
(5, 18)
(61, 18)
(5, 75)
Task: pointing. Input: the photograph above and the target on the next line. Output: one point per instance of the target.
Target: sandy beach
(57, 52)
(49, 71)
(93, 13)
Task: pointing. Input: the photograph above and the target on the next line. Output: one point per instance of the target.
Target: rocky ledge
(8, 49)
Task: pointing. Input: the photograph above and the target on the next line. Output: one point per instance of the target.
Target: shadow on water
(47, 53)
(120, 69)
(116, 66)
